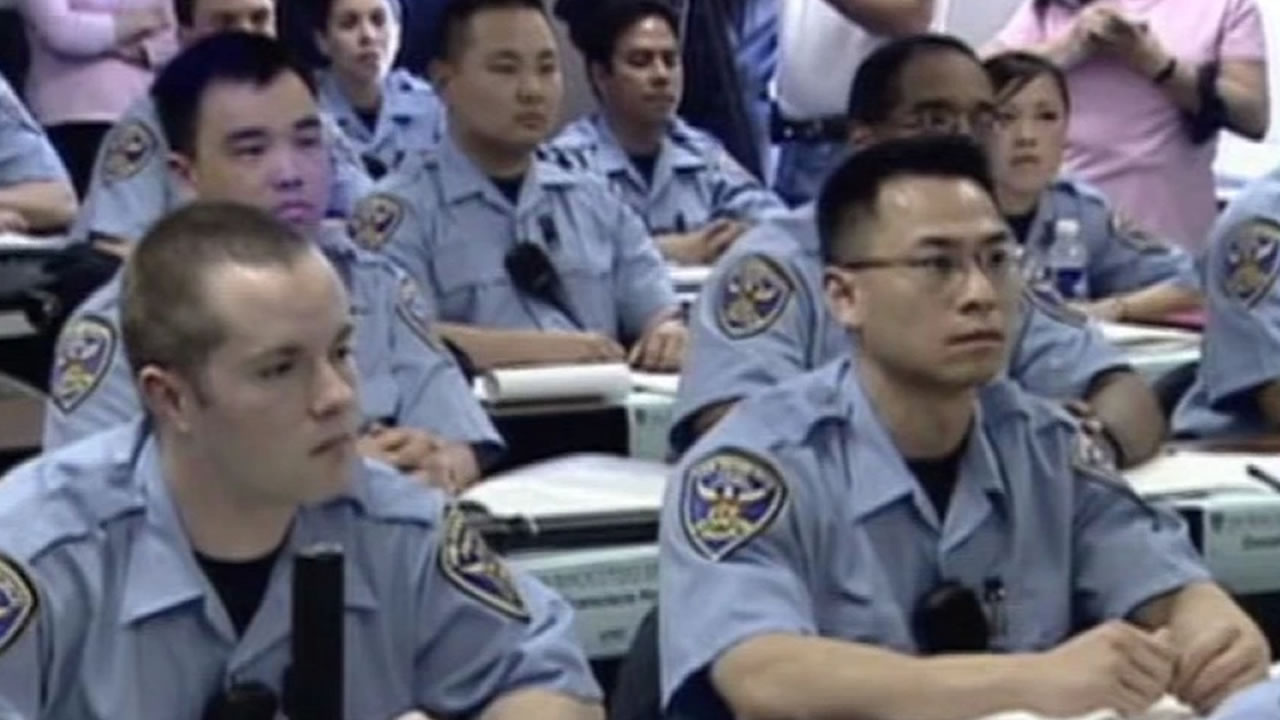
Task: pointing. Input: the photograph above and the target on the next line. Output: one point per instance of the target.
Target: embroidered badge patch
(375, 219)
(752, 297)
(83, 357)
(18, 602)
(1041, 296)
(473, 567)
(410, 307)
(129, 148)
(728, 499)
(1251, 260)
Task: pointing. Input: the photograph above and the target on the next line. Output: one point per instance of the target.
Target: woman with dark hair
(1152, 82)
(1071, 236)
(385, 114)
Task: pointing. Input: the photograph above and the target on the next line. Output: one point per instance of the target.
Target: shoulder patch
(468, 562)
(18, 602)
(1250, 261)
(1045, 299)
(84, 354)
(409, 304)
(728, 499)
(129, 147)
(752, 297)
(375, 219)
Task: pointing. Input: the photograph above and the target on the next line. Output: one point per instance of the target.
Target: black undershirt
(644, 164)
(369, 118)
(240, 585)
(509, 187)
(1021, 225)
(938, 477)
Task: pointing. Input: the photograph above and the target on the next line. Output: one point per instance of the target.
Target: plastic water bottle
(1067, 259)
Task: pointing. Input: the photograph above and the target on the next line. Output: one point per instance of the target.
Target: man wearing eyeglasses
(902, 533)
(761, 317)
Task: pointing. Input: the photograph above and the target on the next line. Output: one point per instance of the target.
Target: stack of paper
(688, 277)
(1166, 709)
(1193, 472)
(15, 243)
(661, 383)
(609, 382)
(1148, 337)
(583, 484)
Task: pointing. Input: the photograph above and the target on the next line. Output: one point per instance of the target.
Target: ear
(597, 74)
(322, 44)
(844, 298)
(441, 73)
(859, 136)
(167, 397)
(183, 172)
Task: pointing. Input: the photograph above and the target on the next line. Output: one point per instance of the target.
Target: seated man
(693, 196)
(35, 191)
(146, 572)
(1237, 387)
(902, 533)
(131, 186)
(245, 128)
(528, 261)
(762, 318)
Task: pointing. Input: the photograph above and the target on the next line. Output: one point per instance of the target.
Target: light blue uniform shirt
(695, 180)
(1260, 702)
(25, 153)
(406, 377)
(110, 616)
(762, 317)
(410, 120)
(449, 226)
(1240, 349)
(1121, 257)
(131, 186)
(798, 515)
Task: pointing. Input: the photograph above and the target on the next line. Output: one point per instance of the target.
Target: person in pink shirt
(1152, 82)
(90, 59)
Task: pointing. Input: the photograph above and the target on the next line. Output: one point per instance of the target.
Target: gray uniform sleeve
(434, 395)
(129, 189)
(1125, 257)
(1241, 346)
(737, 543)
(1058, 351)
(1260, 702)
(642, 286)
(92, 387)
(388, 221)
(736, 193)
(1157, 555)
(25, 152)
(486, 630)
(752, 325)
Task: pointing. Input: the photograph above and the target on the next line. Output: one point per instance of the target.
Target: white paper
(574, 485)
(15, 242)
(1166, 709)
(1182, 472)
(688, 276)
(599, 381)
(661, 383)
(1141, 336)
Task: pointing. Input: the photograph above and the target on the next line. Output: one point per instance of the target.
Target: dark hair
(596, 25)
(852, 191)
(875, 90)
(455, 20)
(318, 12)
(185, 10)
(1042, 6)
(224, 57)
(164, 311)
(1010, 72)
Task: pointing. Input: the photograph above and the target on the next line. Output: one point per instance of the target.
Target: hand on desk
(12, 221)
(561, 348)
(448, 465)
(1116, 665)
(662, 347)
(1216, 657)
(703, 246)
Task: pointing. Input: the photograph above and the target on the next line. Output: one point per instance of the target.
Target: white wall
(977, 21)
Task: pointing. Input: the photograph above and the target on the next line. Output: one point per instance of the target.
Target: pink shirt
(1125, 136)
(72, 78)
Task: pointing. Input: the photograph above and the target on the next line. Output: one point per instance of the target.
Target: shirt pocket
(465, 272)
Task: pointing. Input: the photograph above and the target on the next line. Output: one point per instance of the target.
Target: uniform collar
(461, 179)
(674, 152)
(404, 97)
(163, 573)
(882, 477)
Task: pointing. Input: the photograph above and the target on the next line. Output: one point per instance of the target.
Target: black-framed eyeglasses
(945, 271)
(945, 119)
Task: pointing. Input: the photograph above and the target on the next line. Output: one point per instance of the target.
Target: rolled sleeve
(1244, 35)
(25, 152)
(80, 403)
(1127, 552)
(124, 200)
